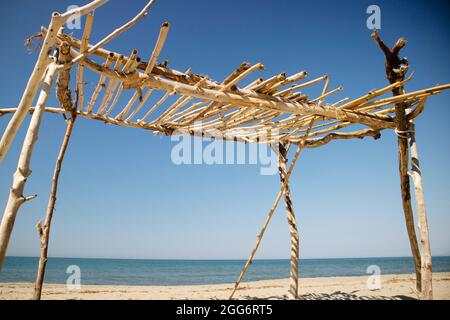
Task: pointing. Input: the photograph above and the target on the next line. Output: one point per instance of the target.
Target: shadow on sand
(337, 295)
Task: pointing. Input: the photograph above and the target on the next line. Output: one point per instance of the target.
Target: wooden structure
(273, 111)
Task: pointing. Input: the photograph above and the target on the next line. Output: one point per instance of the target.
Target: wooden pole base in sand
(293, 288)
(44, 233)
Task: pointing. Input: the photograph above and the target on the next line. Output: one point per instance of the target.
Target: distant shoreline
(200, 272)
(243, 259)
(393, 287)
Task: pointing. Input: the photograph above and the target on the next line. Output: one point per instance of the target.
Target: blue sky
(120, 195)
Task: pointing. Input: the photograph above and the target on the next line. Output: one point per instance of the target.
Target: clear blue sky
(121, 196)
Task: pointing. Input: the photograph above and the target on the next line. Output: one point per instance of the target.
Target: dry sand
(341, 288)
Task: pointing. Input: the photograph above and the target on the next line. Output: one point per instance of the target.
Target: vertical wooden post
(284, 184)
(293, 289)
(44, 233)
(425, 250)
(16, 198)
(36, 76)
(32, 86)
(396, 69)
(403, 160)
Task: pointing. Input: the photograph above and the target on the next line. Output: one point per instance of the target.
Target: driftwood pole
(396, 69)
(291, 221)
(42, 67)
(31, 88)
(402, 143)
(416, 175)
(44, 233)
(266, 222)
(16, 197)
(64, 95)
(36, 76)
(284, 184)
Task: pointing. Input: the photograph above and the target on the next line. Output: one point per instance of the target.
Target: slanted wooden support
(239, 70)
(44, 233)
(244, 98)
(293, 286)
(100, 85)
(284, 185)
(264, 85)
(327, 94)
(396, 69)
(253, 84)
(84, 45)
(140, 105)
(129, 68)
(231, 81)
(425, 249)
(36, 76)
(155, 106)
(16, 197)
(31, 88)
(163, 32)
(177, 105)
(63, 93)
(111, 88)
(294, 78)
(301, 85)
(264, 227)
(258, 242)
(113, 34)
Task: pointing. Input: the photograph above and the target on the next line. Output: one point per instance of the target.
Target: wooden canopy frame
(272, 111)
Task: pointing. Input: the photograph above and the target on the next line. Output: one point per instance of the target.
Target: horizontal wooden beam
(310, 143)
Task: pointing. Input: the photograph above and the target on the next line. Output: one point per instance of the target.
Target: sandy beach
(397, 287)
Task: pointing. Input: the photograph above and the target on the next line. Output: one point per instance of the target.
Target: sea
(190, 272)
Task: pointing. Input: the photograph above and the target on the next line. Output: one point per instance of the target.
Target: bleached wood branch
(44, 233)
(239, 70)
(396, 73)
(37, 75)
(63, 92)
(100, 85)
(245, 98)
(156, 106)
(314, 143)
(113, 34)
(294, 78)
(425, 252)
(16, 198)
(130, 68)
(141, 104)
(84, 44)
(110, 89)
(284, 184)
(158, 47)
(189, 78)
(83, 10)
(327, 94)
(264, 101)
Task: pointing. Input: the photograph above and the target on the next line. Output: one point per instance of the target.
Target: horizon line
(225, 259)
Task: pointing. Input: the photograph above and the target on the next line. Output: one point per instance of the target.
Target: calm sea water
(179, 272)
